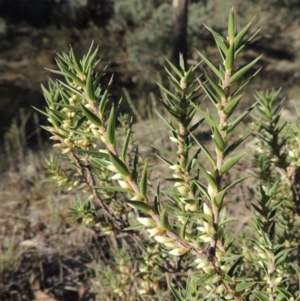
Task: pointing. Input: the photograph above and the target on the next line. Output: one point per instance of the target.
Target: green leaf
(229, 61)
(172, 154)
(228, 220)
(207, 117)
(175, 69)
(168, 92)
(93, 153)
(284, 292)
(218, 39)
(126, 144)
(218, 199)
(91, 116)
(164, 219)
(113, 189)
(243, 285)
(183, 230)
(70, 75)
(239, 119)
(210, 179)
(202, 188)
(234, 145)
(231, 27)
(239, 37)
(230, 162)
(90, 90)
(144, 181)
(211, 66)
(230, 107)
(243, 70)
(260, 295)
(119, 165)
(210, 94)
(111, 128)
(135, 227)
(215, 86)
(76, 62)
(140, 206)
(218, 139)
(206, 152)
(176, 294)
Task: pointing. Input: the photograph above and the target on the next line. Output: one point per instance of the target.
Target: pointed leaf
(239, 37)
(243, 285)
(211, 66)
(230, 107)
(210, 179)
(234, 145)
(91, 116)
(165, 219)
(218, 39)
(229, 61)
(144, 181)
(119, 165)
(218, 200)
(126, 144)
(231, 27)
(111, 127)
(218, 139)
(230, 162)
(243, 70)
(140, 206)
(215, 86)
(90, 90)
(175, 69)
(206, 152)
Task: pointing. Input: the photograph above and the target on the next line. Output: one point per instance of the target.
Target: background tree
(180, 18)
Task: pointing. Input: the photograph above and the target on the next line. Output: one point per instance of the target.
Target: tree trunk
(180, 8)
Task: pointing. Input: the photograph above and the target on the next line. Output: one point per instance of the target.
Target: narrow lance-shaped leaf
(206, 152)
(230, 107)
(167, 91)
(144, 181)
(210, 179)
(218, 199)
(231, 26)
(215, 86)
(72, 76)
(76, 62)
(218, 139)
(111, 128)
(211, 66)
(218, 39)
(104, 99)
(230, 162)
(239, 119)
(229, 58)
(234, 145)
(243, 70)
(140, 206)
(119, 165)
(90, 90)
(183, 230)
(165, 219)
(91, 116)
(210, 94)
(175, 69)
(126, 144)
(242, 33)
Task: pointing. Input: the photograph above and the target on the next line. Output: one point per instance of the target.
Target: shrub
(176, 237)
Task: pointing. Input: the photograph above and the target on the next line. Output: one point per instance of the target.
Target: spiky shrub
(189, 218)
